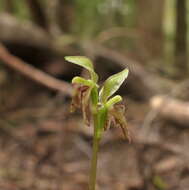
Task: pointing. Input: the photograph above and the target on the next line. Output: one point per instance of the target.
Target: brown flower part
(81, 100)
(117, 117)
(108, 122)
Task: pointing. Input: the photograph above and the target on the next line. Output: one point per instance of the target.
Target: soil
(44, 147)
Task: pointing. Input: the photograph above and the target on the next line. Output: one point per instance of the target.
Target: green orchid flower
(98, 105)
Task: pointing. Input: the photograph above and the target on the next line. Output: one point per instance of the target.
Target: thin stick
(33, 73)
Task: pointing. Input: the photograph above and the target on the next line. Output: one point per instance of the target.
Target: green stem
(96, 140)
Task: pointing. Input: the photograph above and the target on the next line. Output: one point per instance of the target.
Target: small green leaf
(83, 62)
(112, 84)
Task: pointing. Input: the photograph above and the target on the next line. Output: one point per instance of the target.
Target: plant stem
(96, 140)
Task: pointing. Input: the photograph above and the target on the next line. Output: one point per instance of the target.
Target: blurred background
(42, 145)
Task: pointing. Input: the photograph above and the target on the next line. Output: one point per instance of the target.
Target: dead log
(26, 33)
(171, 109)
(141, 82)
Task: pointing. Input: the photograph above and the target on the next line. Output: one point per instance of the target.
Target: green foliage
(86, 17)
(20, 8)
(97, 15)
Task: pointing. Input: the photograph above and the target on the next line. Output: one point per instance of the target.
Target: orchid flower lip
(83, 81)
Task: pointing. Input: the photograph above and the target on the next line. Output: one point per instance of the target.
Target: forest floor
(44, 147)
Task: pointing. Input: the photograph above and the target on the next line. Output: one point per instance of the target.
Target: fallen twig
(33, 73)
